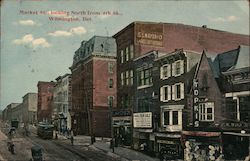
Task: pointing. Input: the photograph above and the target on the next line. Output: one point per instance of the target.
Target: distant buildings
(93, 86)
(25, 112)
(44, 101)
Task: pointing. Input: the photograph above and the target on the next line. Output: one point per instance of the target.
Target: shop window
(165, 71)
(206, 111)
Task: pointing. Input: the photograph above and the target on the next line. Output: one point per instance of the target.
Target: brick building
(139, 38)
(93, 85)
(44, 101)
(219, 107)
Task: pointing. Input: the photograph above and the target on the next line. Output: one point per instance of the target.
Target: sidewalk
(103, 144)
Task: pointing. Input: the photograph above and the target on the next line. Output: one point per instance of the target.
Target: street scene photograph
(117, 80)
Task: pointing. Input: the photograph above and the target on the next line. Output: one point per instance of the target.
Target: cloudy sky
(34, 47)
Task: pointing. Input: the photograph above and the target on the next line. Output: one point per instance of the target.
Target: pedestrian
(72, 138)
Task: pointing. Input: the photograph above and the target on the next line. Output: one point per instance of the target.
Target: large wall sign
(149, 34)
(142, 120)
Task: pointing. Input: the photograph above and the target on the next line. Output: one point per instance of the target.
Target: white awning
(237, 134)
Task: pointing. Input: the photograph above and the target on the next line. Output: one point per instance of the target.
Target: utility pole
(110, 102)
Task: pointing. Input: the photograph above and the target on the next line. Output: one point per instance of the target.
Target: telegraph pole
(110, 101)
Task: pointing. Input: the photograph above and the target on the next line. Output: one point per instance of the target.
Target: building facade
(62, 103)
(7, 112)
(139, 38)
(93, 86)
(44, 101)
(218, 124)
(30, 108)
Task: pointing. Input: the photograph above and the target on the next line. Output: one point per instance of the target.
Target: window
(175, 117)
(127, 77)
(165, 93)
(126, 54)
(110, 83)
(122, 56)
(165, 71)
(125, 101)
(110, 67)
(206, 111)
(131, 51)
(178, 91)
(178, 68)
(145, 77)
(166, 118)
(143, 105)
(122, 78)
(131, 77)
(171, 117)
(110, 101)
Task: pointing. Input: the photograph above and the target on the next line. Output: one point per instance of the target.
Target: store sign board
(196, 103)
(149, 34)
(142, 120)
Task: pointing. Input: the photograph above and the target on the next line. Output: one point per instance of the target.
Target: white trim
(144, 86)
(168, 68)
(242, 93)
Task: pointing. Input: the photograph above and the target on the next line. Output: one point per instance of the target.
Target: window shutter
(173, 69)
(182, 67)
(173, 92)
(169, 71)
(161, 93)
(169, 93)
(182, 91)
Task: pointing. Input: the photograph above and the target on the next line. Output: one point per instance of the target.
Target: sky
(36, 48)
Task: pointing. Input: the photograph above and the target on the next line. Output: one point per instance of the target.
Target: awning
(201, 133)
(235, 133)
(167, 135)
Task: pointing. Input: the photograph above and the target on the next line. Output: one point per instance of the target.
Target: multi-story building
(172, 81)
(93, 86)
(8, 111)
(138, 38)
(218, 120)
(62, 102)
(44, 101)
(17, 113)
(30, 108)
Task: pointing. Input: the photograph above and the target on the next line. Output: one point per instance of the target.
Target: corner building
(139, 38)
(93, 86)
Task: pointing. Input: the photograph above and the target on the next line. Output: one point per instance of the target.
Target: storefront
(235, 145)
(202, 145)
(122, 125)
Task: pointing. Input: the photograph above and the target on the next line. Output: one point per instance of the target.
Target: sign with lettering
(149, 34)
(196, 102)
(142, 120)
(236, 125)
(122, 113)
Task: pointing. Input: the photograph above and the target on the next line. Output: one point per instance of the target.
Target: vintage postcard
(137, 80)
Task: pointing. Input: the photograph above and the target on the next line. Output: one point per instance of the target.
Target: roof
(97, 45)
(231, 60)
(243, 58)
